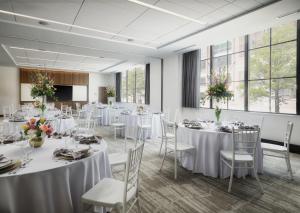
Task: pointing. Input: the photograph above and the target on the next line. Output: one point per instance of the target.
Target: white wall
(273, 124)
(97, 80)
(9, 86)
(155, 85)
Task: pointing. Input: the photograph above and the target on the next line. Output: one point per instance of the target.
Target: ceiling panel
(63, 57)
(6, 5)
(108, 15)
(41, 55)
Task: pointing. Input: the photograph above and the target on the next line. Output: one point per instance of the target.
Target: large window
(228, 59)
(261, 70)
(272, 70)
(133, 85)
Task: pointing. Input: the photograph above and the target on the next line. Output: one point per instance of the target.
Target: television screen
(62, 93)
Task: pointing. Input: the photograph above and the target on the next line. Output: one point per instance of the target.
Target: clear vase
(36, 141)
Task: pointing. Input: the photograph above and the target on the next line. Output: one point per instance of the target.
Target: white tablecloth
(49, 186)
(131, 126)
(208, 143)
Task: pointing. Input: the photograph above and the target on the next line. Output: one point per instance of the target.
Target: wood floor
(195, 193)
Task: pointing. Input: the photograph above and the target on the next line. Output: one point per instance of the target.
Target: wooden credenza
(66, 78)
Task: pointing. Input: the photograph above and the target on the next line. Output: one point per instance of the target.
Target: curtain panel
(191, 79)
(147, 84)
(118, 86)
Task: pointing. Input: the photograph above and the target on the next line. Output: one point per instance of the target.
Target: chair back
(68, 111)
(245, 141)
(288, 134)
(169, 127)
(114, 115)
(133, 163)
(63, 108)
(144, 119)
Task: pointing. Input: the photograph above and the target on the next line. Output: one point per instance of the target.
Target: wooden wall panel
(59, 77)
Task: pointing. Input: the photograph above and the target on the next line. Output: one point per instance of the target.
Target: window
(272, 70)
(229, 59)
(133, 85)
(270, 76)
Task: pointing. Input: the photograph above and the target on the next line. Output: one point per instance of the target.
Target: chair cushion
(117, 124)
(144, 126)
(117, 159)
(273, 147)
(169, 135)
(227, 154)
(107, 193)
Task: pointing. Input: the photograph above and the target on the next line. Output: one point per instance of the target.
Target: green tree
(283, 64)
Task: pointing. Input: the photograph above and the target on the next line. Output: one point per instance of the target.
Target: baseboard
(293, 148)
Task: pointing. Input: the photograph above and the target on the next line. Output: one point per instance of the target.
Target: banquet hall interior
(153, 106)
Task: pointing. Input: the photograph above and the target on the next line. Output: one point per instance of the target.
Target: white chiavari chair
(164, 134)
(242, 154)
(116, 123)
(280, 151)
(172, 145)
(144, 125)
(116, 194)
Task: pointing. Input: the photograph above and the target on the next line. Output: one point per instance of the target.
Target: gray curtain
(118, 86)
(191, 79)
(147, 84)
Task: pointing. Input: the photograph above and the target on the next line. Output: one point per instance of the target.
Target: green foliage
(43, 86)
(283, 64)
(218, 90)
(110, 92)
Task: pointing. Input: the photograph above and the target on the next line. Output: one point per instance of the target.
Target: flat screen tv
(62, 93)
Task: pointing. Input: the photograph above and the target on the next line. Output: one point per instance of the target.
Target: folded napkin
(71, 154)
(89, 140)
(225, 129)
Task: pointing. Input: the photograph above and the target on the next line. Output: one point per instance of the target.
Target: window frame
(246, 80)
(135, 87)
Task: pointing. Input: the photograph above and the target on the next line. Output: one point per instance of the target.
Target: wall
(9, 86)
(97, 80)
(155, 85)
(273, 124)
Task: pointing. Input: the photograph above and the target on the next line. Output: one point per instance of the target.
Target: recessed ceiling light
(44, 23)
(167, 11)
(48, 51)
(130, 40)
(84, 28)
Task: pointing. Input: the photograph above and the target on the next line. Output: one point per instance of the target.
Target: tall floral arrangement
(218, 90)
(110, 92)
(43, 87)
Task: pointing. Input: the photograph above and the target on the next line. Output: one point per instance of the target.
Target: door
(102, 95)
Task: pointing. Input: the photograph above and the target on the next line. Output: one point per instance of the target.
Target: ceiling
(111, 35)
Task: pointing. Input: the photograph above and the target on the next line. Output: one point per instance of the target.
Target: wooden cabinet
(80, 78)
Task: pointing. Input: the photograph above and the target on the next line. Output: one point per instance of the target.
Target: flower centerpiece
(36, 130)
(218, 91)
(110, 93)
(140, 109)
(42, 88)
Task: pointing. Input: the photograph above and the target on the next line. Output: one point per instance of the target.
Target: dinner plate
(15, 164)
(7, 164)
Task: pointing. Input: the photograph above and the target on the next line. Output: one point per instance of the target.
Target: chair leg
(257, 178)
(194, 158)
(162, 163)
(175, 165)
(221, 167)
(287, 158)
(138, 205)
(162, 141)
(231, 179)
(115, 133)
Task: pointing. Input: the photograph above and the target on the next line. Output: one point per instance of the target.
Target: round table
(208, 143)
(47, 185)
(131, 126)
